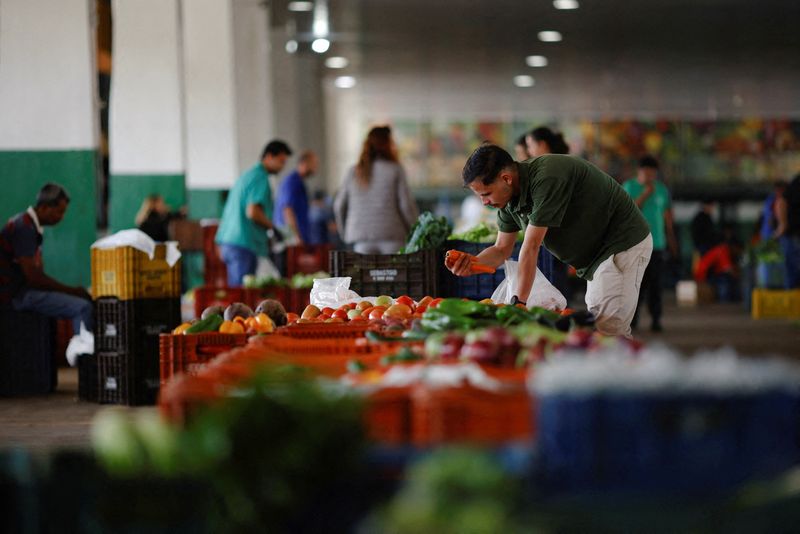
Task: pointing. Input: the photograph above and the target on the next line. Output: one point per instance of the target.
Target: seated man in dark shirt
(23, 282)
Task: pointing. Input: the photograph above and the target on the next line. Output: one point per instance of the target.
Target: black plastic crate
(87, 377)
(26, 353)
(127, 379)
(477, 286)
(133, 326)
(415, 275)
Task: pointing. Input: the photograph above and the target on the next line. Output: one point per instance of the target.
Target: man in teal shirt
(580, 213)
(247, 216)
(652, 197)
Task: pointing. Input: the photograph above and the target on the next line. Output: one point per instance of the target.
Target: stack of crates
(136, 299)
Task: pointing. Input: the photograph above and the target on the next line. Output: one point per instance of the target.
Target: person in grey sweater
(374, 208)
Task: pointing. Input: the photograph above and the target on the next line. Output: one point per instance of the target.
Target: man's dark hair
(648, 162)
(553, 139)
(485, 164)
(276, 147)
(51, 195)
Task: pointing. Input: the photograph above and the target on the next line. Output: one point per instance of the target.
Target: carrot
(453, 256)
(481, 268)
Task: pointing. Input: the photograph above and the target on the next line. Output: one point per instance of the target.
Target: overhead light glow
(549, 36)
(320, 46)
(344, 82)
(523, 80)
(566, 4)
(301, 6)
(336, 62)
(320, 27)
(536, 61)
(291, 46)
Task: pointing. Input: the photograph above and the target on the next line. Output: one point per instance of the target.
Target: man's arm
(493, 256)
(669, 227)
(37, 279)
(256, 214)
(528, 256)
(782, 214)
(646, 192)
(291, 220)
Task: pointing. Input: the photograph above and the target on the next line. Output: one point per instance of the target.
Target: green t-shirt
(587, 214)
(653, 209)
(235, 228)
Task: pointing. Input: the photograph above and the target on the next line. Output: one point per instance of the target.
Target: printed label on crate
(155, 329)
(383, 275)
(152, 383)
(111, 383)
(111, 330)
(109, 277)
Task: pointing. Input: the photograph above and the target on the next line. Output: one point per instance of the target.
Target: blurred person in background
(521, 149)
(787, 209)
(247, 216)
(769, 212)
(322, 224)
(714, 256)
(291, 206)
(541, 141)
(23, 282)
(154, 217)
(653, 199)
(374, 208)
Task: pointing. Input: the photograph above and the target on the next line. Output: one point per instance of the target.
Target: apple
(352, 314)
(384, 300)
(398, 311)
(310, 312)
(377, 312)
(364, 304)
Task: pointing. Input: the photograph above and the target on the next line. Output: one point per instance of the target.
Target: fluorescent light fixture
(320, 46)
(291, 46)
(536, 61)
(336, 62)
(549, 36)
(523, 80)
(320, 26)
(344, 82)
(566, 4)
(301, 6)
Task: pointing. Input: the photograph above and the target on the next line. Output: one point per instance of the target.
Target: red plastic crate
(215, 296)
(387, 415)
(215, 273)
(324, 330)
(297, 300)
(187, 353)
(306, 259)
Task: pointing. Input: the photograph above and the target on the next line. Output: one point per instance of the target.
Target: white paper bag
(543, 293)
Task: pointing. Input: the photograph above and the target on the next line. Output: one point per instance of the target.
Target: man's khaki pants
(613, 292)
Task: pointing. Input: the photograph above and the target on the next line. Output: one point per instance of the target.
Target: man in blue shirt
(291, 207)
(247, 215)
(23, 282)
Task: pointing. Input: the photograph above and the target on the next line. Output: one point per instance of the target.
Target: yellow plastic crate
(127, 273)
(776, 304)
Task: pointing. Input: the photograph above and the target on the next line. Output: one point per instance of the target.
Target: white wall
(145, 115)
(47, 93)
(212, 159)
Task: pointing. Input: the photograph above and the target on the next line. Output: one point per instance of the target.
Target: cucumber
(209, 324)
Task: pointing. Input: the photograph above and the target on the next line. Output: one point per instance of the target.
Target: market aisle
(60, 420)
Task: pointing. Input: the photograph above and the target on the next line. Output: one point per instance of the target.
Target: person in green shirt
(653, 199)
(580, 214)
(247, 214)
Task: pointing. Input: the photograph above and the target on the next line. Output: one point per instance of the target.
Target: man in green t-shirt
(652, 197)
(580, 213)
(247, 214)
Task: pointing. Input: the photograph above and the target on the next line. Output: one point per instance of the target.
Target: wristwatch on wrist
(515, 300)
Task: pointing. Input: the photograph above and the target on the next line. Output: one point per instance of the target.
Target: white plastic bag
(81, 343)
(140, 241)
(332, 292)
(543, 293)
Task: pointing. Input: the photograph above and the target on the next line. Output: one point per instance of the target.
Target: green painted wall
(66, 245)
(126, 193)
(206, 203)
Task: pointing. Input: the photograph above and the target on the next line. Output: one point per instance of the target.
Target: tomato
(376, 313)
(292, 318)
(340, 314)
(405, 299)
(335, 320)
(434, 303)
(425, 301)
(366, 311)
(398, 311)
(324, 316)
(420, 309)
(327, 311)
(358, 319)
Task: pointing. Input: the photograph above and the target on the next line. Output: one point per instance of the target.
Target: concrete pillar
(49, 121)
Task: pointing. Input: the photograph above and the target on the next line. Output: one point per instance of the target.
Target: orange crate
(387, 415)
(127, 273)
(187, 353)
(324, 330)
(469, 414)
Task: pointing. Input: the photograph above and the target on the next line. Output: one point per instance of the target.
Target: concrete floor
(60, 420)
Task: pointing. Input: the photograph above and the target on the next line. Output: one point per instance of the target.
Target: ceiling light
(320, 27)
(291, 46)
(301, 6)
(345, 82)
(549, 36)
(336, 62)
(566, 4)
(320, 46)
(524, 80)
(536, 61)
